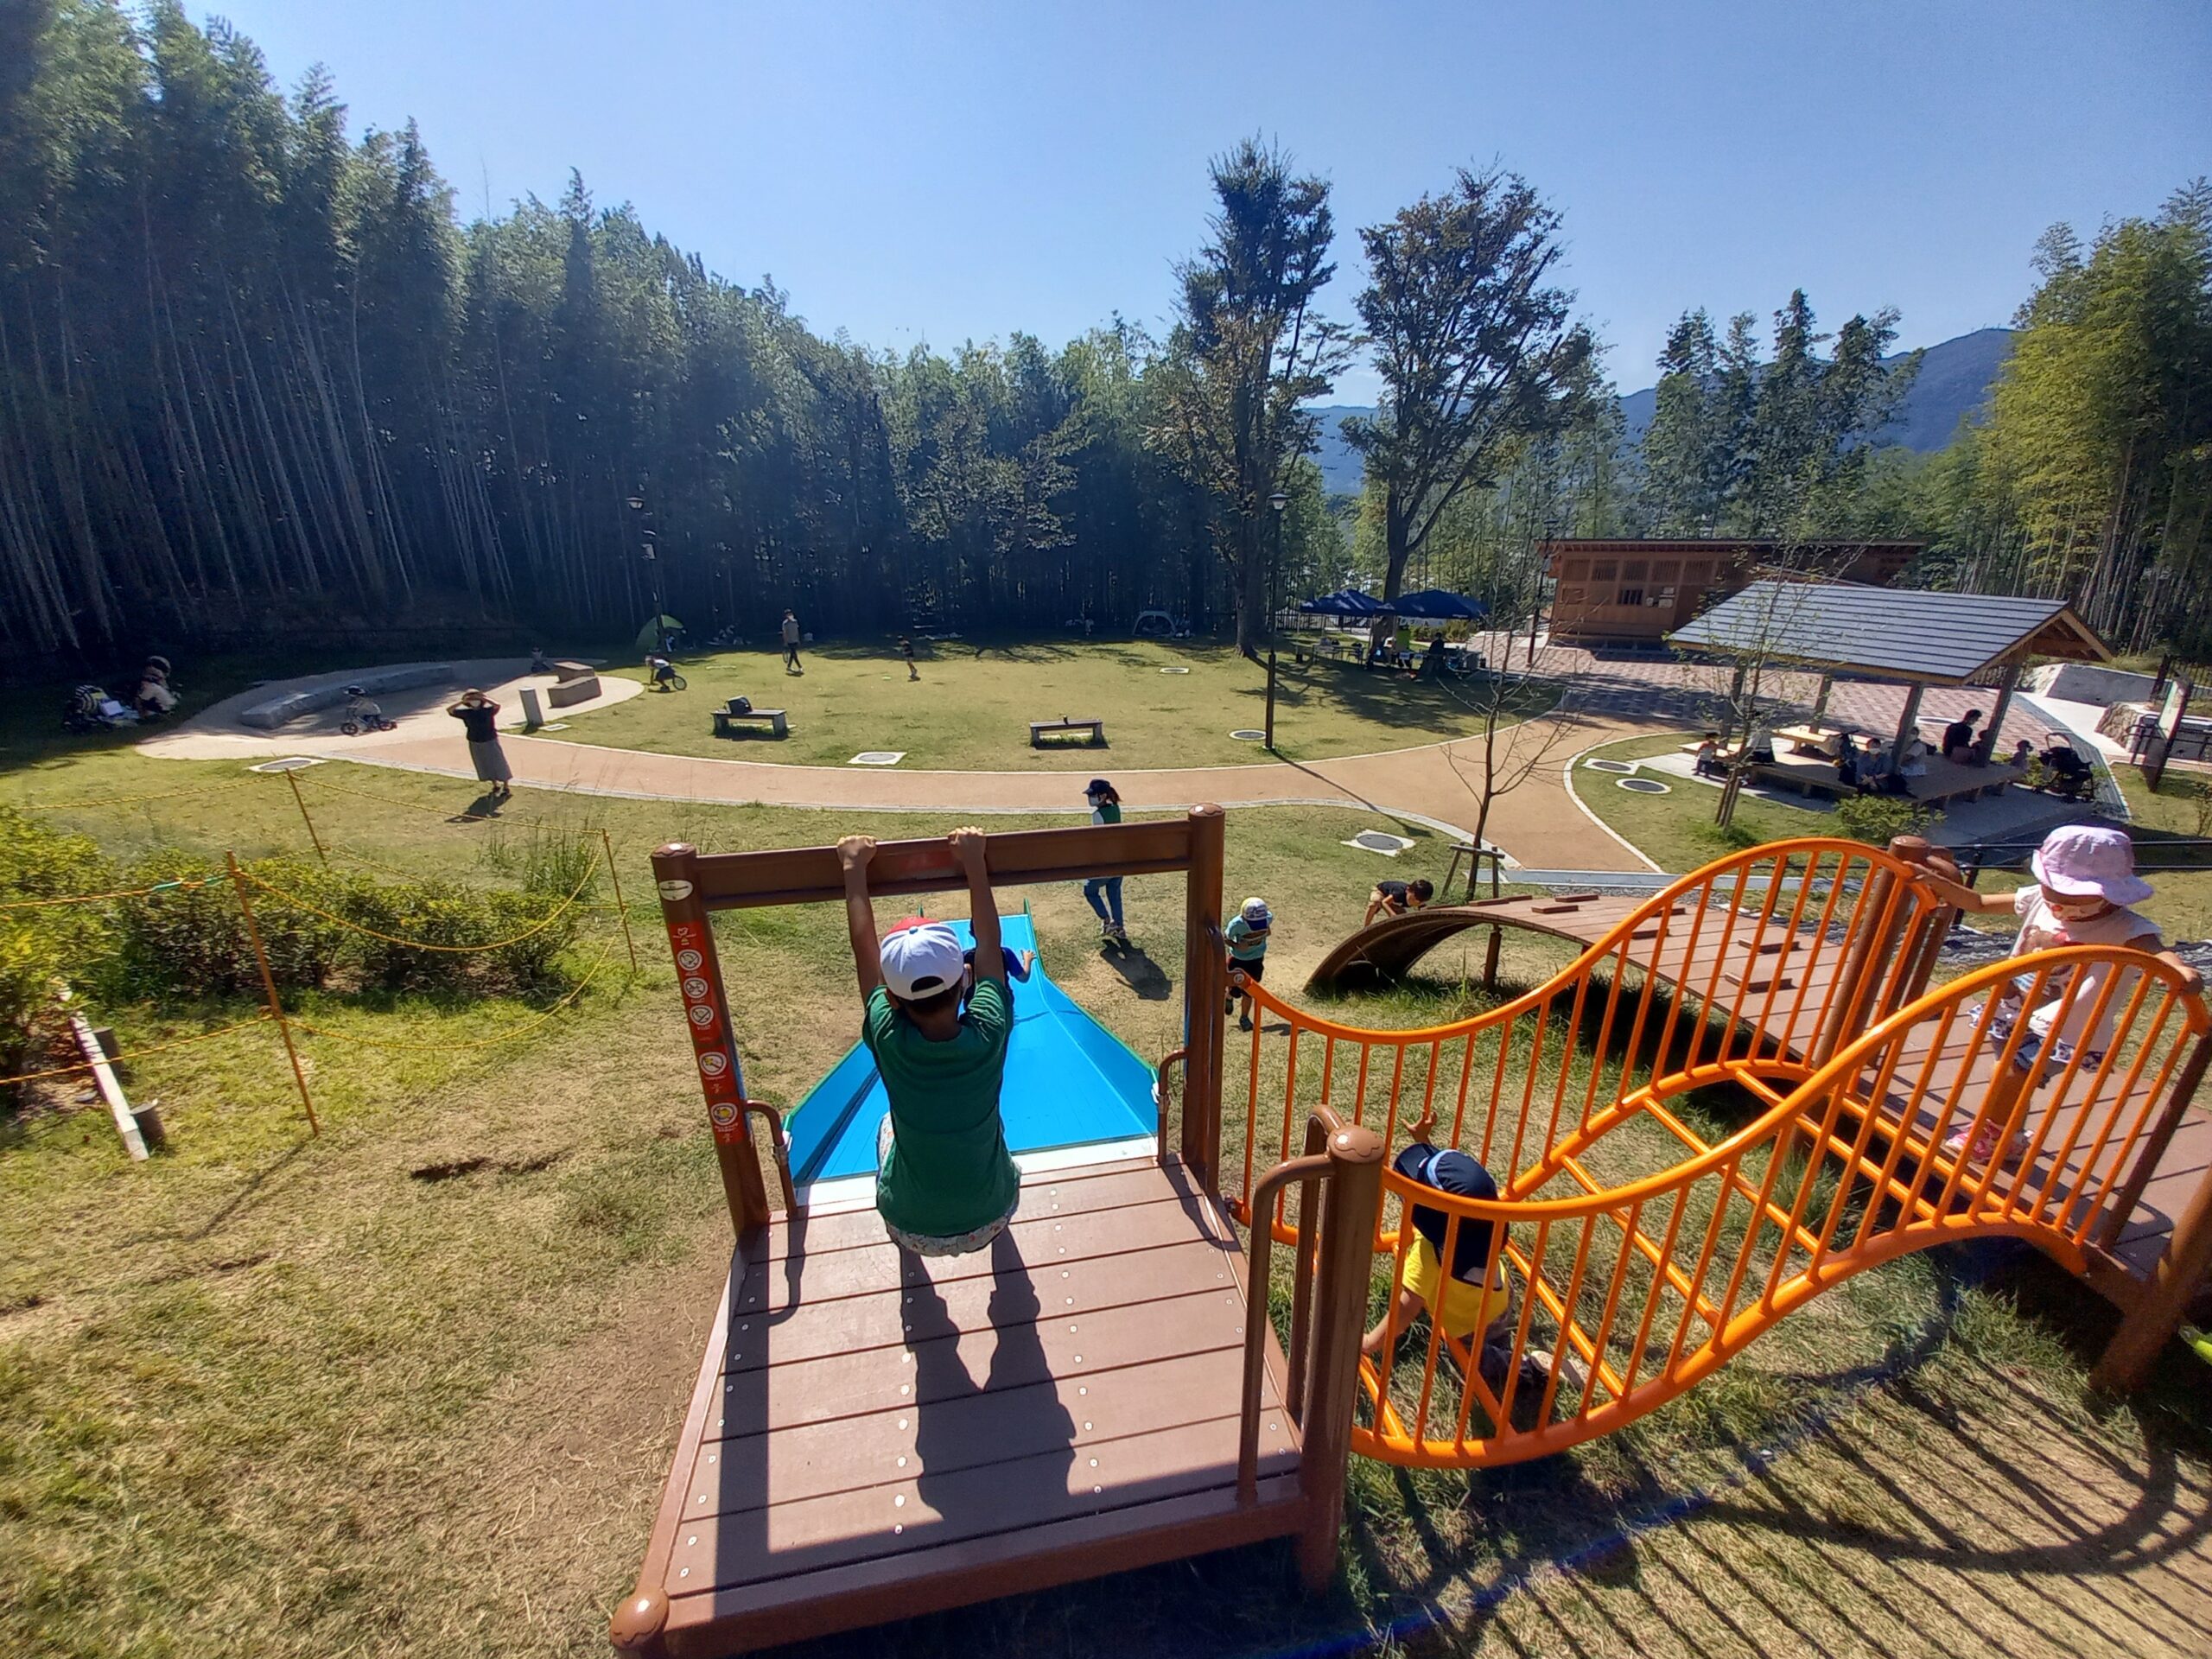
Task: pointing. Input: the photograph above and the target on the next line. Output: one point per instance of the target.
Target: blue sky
(951, 172)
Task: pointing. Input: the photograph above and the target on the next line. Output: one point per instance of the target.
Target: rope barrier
(132, 800)
(137, 1054)
(179, 886)
(566, 904)
(607, 951)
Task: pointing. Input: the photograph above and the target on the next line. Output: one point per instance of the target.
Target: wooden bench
(1807, 777)
(1948, 780)
(728, 721)
(1039, 728)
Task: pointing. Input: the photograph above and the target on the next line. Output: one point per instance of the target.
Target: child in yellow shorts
(1474, 1302)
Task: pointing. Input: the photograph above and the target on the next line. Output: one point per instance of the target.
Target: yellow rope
(132, 800)
(487, 1042)
(418, 945)
(136, 1053)
(101, 897)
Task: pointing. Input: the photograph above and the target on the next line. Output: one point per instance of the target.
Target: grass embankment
(972, 707)
(411, 1387)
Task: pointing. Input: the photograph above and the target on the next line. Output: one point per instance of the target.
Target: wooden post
(1907, 723)
(1351, 1202)
(1870, 947)
(268, 985)
(620, 909)
(300, 801)
(1204, 983)
(118, 1107)
(1985, 747)
(2186, 1083)
(2175, 1279)
(1923, 949)
(713, 1040)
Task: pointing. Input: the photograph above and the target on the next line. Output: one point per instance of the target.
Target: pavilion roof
(1898, 633)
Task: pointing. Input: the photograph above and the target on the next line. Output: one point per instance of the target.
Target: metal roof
(1901, 633)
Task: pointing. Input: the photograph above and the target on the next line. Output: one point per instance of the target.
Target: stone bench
(1039, 728)
(573, 683)
(728, 722)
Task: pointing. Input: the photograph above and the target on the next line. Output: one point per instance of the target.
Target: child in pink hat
(2085, 881)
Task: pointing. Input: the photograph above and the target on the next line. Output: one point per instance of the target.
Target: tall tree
(1247, 355)
(1476, 350)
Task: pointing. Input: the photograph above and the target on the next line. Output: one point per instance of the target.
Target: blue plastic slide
(1069, 1082)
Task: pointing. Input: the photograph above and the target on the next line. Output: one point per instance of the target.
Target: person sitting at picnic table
(1402, 646)
(1395, 898)
(1432, 660)
(1758, 744)
(2022, 752)
(1707, 763)
(1959, 736)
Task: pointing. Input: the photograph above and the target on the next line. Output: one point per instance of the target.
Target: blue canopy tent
(1345, 603)
(1435, 605)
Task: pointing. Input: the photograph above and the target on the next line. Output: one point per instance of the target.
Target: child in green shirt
(944, 1184)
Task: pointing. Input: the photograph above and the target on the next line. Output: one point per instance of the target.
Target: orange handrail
(1645, 1285)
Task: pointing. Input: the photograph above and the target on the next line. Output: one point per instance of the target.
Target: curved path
(1538, 822)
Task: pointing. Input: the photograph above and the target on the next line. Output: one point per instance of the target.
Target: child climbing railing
(1618, 1292)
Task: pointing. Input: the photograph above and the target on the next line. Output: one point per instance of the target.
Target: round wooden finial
(637, 1623)
(1355, 1143)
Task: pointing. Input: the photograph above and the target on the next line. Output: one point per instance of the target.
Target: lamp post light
(647, 535)
(1278, 501)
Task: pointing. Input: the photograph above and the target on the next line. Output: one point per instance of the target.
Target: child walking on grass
(945, 1183)
(1248, 933)
(2084, 881)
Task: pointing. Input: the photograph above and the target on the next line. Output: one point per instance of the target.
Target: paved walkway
(1536, 822)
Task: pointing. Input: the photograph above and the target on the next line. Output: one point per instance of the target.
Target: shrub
(39, 946)
(1879, 818)
(194, 935)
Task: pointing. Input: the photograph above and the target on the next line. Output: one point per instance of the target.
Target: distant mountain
(1955, 379)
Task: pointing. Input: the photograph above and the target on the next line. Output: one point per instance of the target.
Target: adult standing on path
(477, 715)
(790, 645)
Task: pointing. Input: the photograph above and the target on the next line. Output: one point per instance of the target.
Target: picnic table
(1065, 723)
(728, 721)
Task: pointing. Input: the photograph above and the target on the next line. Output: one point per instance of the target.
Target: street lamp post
(646, 538)
(1278, 501)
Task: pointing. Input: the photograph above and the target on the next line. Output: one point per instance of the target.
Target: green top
(1244, 945)
(947, 1171)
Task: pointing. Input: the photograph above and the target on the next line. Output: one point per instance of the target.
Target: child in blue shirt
(1247, 933)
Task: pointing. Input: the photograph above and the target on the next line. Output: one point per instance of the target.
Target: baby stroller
(89, 709)
(2066, 774)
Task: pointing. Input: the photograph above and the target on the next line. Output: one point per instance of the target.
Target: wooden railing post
(2177, 1277)
(1204, 983)
(1925, 947)
(713, 1039)
(1351, 1202)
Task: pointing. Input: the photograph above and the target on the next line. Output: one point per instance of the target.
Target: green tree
(1475, 349)
(1247, 355)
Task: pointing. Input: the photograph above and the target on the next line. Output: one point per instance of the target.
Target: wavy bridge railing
(1891, 1121)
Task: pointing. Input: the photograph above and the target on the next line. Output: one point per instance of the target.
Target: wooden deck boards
(873, 1433)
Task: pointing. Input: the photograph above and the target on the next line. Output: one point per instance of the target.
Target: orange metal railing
(1792, 971)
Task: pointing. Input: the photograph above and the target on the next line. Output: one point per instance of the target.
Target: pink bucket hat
(2088, 859)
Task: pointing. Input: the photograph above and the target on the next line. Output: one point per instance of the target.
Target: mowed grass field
(411, 1387)
(1166, 704)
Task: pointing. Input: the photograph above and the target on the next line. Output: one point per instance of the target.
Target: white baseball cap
(922, 961)
(1255, 912)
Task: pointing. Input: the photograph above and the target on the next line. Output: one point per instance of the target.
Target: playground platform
(873, 1440)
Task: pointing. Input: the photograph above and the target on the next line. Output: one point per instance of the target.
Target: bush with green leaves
(1879, 819)
(40, 945)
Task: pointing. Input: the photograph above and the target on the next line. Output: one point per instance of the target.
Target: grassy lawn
(1676, 830)
(973, 705)
(411, 1387)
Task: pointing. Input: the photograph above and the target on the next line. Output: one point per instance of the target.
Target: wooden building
(1636, 591)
